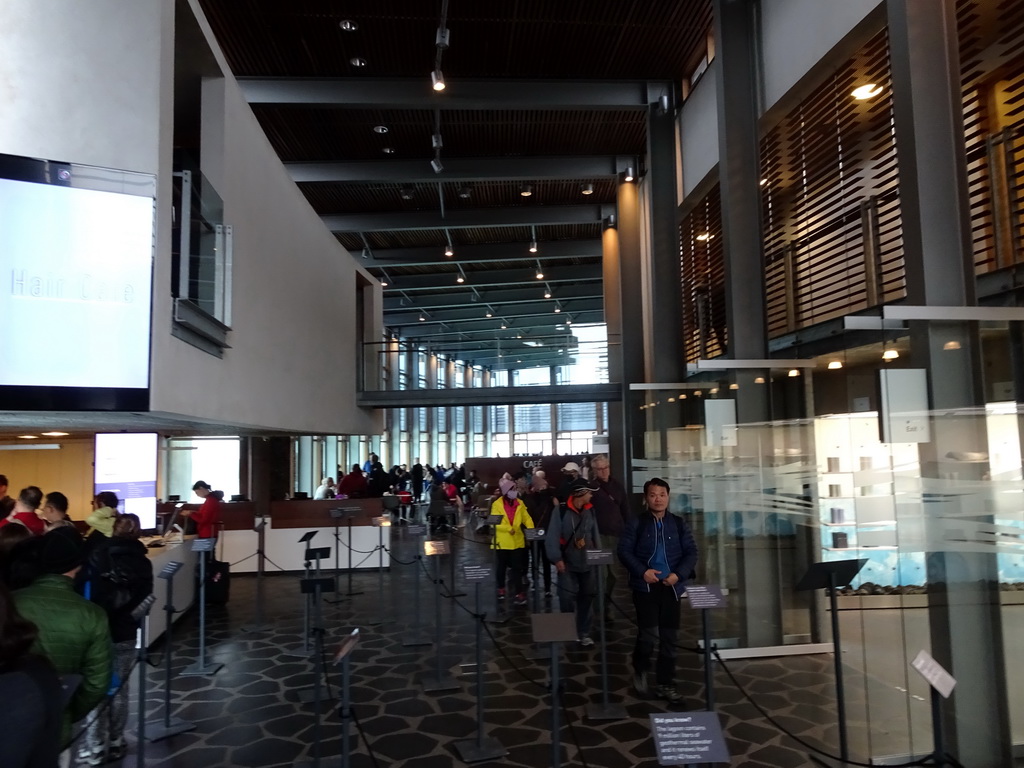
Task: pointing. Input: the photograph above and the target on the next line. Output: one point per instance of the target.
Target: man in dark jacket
(73, 633)
(611, 506)
(571, 534)
(660, 554)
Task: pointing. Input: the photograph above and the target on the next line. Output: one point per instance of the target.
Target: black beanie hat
(61, 550)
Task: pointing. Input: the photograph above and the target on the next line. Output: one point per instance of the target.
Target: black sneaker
(640, 685)
(669, 694)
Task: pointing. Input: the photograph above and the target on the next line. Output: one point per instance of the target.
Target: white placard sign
(937, 677)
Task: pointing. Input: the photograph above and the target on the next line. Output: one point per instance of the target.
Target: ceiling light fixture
(460, 279)
(835, 365)
(28, 437)
(436, 165)
(794, 372)
(55, 434)
(449, 251)
(866, 91)
(465, 192)
(437, 80)
(526, 190)
(533, 246)
(422, 318)
(704, 237)
(357, 61)
(557, 309)
(388, 150)
(407, 193)
(347, 25)
(587, 189)
(436, 141)
(890, 354)
(503, 326)
(759, 380)
(948, 346)
(547, 294)
(763, 182)
(382, 129)
(630, 175)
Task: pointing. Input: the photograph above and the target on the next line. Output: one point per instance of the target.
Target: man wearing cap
(570, 474)
(73, 633)
(572, 532)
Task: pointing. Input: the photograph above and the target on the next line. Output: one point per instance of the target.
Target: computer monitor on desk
(173, 518)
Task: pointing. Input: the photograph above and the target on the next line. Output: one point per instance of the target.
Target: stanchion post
(536, 652)
(258, 625)
(349, 514)
(169, 726)
(200, 668)
(141, 614)
(303, 651)
(481, 748)
(344, 657)
(597, 559)
(439, 681)
(416, 638)
(380, 523)
(705, 598)
(499, 617)
(316, 586)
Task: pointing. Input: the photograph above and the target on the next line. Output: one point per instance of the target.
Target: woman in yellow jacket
(509, 539)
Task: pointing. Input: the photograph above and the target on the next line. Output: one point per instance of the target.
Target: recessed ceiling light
(29, 437)
(347, 25)
(867, 91)
(55, 434)
(380, 129)
(357, 61)
(388, 150)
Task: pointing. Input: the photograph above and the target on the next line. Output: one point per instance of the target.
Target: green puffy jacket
(74, 636)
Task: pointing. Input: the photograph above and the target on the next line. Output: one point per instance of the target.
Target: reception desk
(184, 584)
(289, 520)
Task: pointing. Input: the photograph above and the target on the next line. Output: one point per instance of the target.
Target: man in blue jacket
(658, 551)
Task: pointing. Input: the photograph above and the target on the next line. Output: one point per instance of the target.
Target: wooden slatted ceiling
(991, 40)
(825, 167)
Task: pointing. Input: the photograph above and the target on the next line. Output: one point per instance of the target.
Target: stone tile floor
(249, 713)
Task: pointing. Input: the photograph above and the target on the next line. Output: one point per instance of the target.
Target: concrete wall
(698, 129)
(94, 83)
(795, 34)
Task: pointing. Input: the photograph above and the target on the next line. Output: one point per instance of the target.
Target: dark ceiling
(551, 93)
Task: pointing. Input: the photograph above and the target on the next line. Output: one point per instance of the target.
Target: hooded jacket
(510, 535)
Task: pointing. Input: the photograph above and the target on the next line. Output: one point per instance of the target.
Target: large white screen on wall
(126, 464)
(75, 286)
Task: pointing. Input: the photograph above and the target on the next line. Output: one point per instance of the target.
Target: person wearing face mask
(509, 539)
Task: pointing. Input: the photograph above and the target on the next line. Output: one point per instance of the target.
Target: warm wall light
(28, 437)
(835, 365)
(794, 372)
(714, 391)
(948, 346)
(671, 399)
(734, 385)
(759, 380)
(867, 91)
(526, 190)
(890, 354)
(437, 80)
(629, 175)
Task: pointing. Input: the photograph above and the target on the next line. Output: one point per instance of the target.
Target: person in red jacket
(24, 511)
(207, 516)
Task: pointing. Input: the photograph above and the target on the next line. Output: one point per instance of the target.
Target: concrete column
(739, 162)
(964, 611)
(617, 454)
(304, 468)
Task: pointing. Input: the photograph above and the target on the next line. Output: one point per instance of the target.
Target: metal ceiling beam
(497, 278)
(523, 216)
(475, 94)
(556, 393)
(422, 256)
(419, 334)
(463, 169)
(529, 293)
(476, 312)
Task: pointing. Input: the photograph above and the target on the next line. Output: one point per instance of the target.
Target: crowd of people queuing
(67, 626)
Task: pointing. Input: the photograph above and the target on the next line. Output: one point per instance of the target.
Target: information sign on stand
(599, 557)
(416, 529)
(432, 548)
(476, 572)
(203, 545)
(689, 738)
(937, 677)
(439, 681)
(534, 534)
(704, 596)
(318, 553)
(168, 571)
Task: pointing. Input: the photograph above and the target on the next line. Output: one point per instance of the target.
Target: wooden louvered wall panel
(829, 200)
(991, 41)
(702, 269)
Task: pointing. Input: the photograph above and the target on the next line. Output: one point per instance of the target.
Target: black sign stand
(348, 513)
(169, 726)
(200, 668)
(831, 576)
(604, 710)
(704, 597)
(259, 626)
(380, 523)
(439, 681)
(316, 587)
(416, 638)
(536, 538)
(313, 588)
(481, 748)
(141, 613)
(304, 650)
(554, 628)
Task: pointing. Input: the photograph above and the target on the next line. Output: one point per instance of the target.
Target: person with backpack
(659, 553)
(117, 576)
(572, 532)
